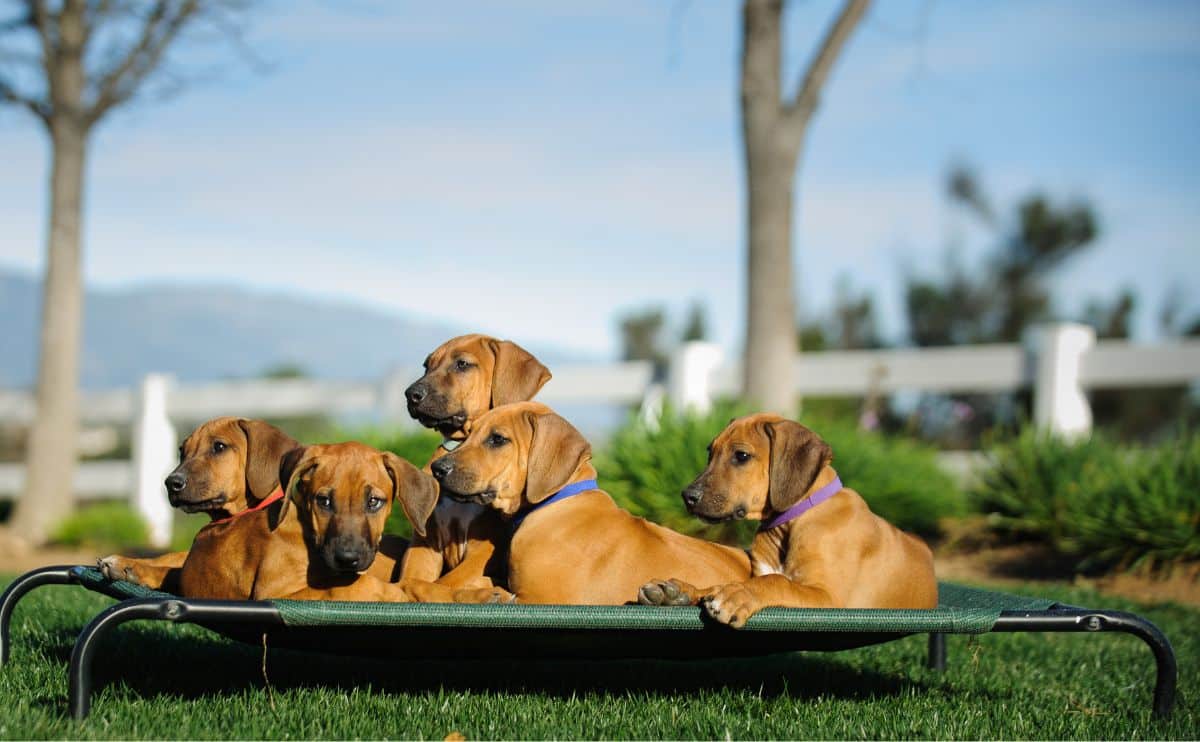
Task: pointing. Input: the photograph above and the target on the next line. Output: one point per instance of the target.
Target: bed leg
(937, 652)
(1164, 654)
(80, 670)
(17, 590)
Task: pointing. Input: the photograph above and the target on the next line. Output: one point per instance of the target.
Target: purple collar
(804, 505)
(569, 491)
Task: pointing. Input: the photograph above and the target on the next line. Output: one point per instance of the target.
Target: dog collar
(450, 444)
(569, 491)
(275, 496)
(804, 505)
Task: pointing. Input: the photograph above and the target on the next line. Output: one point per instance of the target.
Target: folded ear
(416, 491)
(292, 467)
(516, 374)
(556, 452)
(265, 446)
(797, 457)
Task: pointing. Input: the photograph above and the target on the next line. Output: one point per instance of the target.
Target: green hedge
(645, 469)
(1105, 504)
(103, 525)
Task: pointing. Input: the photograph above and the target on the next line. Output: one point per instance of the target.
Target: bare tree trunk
(50, 460)
(772, 135)
(50, 457)
(771, 313)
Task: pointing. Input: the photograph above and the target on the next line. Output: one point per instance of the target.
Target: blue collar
(569, 491)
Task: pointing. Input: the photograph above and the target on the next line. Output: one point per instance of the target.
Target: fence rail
(1060, 363)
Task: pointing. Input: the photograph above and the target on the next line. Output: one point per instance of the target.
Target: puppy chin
(738, 513)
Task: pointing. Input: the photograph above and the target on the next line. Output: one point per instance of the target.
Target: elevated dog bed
(609, 632)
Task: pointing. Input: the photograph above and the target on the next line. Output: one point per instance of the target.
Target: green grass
(158, 681)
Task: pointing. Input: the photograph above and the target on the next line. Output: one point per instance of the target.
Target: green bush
(1105, 504)
(413, 445)
(899, 477)
(645, 470)
(104, 525)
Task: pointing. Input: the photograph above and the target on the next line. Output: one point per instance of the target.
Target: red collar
(273, 497)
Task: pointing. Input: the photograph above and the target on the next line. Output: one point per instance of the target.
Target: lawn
(181, 681)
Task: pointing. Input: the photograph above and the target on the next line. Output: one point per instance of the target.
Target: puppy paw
(731, 604)
(118, 568)
(666, 592)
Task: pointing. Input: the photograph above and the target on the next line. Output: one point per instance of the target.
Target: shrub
(645, 470)
(104, 525)
(1105, 505)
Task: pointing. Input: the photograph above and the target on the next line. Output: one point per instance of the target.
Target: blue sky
(533, 169)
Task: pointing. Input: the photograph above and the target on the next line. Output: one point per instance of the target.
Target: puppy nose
(441, 468)
(415, 393)
(346, 558)
(176, 482)
(691, 496)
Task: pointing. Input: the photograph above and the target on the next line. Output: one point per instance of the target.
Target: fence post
(689, 381)
(154, 454)
(1059, 402)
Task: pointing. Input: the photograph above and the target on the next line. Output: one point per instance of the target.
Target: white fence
(1061, 363)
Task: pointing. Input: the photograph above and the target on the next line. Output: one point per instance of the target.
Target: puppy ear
(292, 467)
(797, 457)
(416, 491)
(556, 451)
(516, 374)
(265, 446)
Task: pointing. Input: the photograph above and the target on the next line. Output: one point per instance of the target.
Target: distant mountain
(205, 332)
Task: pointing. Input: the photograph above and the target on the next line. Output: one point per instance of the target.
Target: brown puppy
(579, 550)
(835, 553)
(464, 378)
(319, 540)
(226, 466)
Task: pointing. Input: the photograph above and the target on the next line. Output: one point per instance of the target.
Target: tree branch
(807, 97)
(122, 81)
(38, 108)
(39, 18)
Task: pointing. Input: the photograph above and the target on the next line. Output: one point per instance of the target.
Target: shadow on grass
(203, 666)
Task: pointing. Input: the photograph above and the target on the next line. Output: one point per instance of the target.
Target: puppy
(571, 543)
(226, 466)
(319, 540)
(819, 545)
(464, 543)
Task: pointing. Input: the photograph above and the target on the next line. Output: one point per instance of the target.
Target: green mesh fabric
(93, 579)
(961, 610)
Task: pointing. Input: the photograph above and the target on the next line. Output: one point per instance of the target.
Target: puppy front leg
(159, 573)
(736, 602)
(432, 592)
(365, 588)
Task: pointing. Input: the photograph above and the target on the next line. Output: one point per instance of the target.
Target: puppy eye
(495, 440)
(218, 447)
(325, 502)
(462, 364)
(741, 457)
(374, 504)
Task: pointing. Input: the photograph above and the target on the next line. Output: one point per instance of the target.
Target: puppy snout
(347, 558)
(416, 393)
(175, 482)
(441, 468)
(691, 496)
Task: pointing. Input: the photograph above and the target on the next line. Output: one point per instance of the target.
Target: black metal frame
(226, 616)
